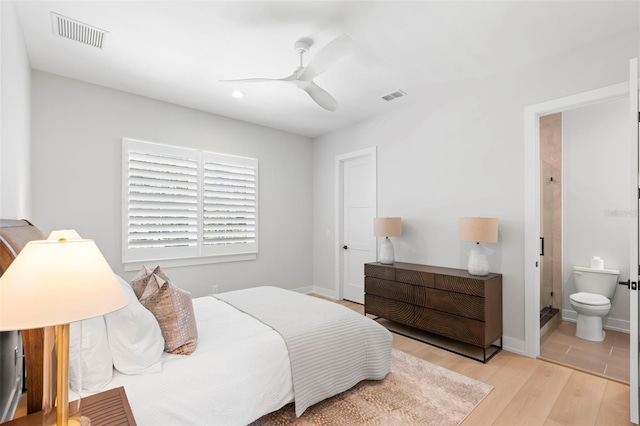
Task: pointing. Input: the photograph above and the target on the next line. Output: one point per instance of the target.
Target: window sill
(191, 261)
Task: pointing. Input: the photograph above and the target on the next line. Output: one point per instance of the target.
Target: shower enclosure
(550, 216)
(547, 260)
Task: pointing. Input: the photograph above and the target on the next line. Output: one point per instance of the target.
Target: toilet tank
(596, 281)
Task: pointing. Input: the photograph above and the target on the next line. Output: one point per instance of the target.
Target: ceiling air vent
(394, 95)
(78, 31)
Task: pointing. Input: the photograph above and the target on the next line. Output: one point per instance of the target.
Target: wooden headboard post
(14, 235)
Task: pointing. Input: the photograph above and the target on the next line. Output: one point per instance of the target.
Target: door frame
(532, 116)
(372, 153)
(634, 241)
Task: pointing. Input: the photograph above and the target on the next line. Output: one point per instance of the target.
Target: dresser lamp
(53, 283)
(387, 227)
(479, 230)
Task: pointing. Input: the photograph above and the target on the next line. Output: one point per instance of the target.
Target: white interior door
(634, 263)
(359, 209)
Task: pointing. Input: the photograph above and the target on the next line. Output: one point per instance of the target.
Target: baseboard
(325, 292)
(614, 324)
(320, 291)
(513, 345)
(569, 315)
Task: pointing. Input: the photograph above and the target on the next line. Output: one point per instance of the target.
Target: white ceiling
(176, 51)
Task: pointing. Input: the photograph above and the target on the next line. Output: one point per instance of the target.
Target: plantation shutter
(182, 203)
(229, 204)
(162, 203)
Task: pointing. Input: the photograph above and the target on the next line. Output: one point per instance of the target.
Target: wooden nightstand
(108, 408)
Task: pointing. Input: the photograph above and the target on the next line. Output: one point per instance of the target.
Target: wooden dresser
(446, 307)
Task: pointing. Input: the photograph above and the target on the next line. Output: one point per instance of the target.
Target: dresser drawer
(460, 285)
(389, 289)
(455, 303)
(421, 278)
(463, 329)
(378, 271)
(389, 308)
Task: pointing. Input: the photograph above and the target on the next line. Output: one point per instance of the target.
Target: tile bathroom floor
(609, 358)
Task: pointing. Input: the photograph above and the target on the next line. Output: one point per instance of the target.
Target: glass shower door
(547, 188)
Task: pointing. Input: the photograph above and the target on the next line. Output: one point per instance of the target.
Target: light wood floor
(530, 391)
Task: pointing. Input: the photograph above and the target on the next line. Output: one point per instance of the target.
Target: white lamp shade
(479, 229)
(387, 227)
(51, 283)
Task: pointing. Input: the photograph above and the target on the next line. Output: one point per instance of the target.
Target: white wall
(596, 197)
(15, 146)
(15, 137)
(77, 133)
(461, 154)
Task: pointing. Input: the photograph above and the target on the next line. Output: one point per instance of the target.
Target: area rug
(415, 392)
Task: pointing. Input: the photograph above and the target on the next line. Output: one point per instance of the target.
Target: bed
(258, 350)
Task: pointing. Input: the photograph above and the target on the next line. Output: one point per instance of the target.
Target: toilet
(595, 288)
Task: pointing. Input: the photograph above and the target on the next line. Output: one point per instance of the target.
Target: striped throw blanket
(331, 348)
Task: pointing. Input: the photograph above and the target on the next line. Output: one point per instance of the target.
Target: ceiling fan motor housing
(302, 46)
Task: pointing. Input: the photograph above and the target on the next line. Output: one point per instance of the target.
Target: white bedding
(239, 372)
(331, 348)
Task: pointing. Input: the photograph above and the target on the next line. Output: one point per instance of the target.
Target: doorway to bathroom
(583, 197)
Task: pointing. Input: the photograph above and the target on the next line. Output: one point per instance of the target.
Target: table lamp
(387, 227)
(54, 283)
(479, 230)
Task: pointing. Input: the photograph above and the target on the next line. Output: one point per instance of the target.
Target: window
(181, 203)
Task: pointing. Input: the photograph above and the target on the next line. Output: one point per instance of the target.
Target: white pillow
(89, 356)
(134, 337)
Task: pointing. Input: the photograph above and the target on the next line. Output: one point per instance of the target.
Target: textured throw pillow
(135, 338)
(139, 282)
(90, 362)
(172, 307)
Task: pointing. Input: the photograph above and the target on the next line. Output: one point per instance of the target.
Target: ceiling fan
(303, 76)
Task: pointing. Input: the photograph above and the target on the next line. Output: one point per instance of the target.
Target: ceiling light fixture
(237, 94)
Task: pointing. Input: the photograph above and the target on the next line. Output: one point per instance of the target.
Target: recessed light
(237, 94)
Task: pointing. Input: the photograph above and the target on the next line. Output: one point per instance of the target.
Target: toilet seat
(590, 299)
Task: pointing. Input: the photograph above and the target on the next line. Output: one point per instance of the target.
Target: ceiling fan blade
(321, 96)
(327, 56)
(259, 80)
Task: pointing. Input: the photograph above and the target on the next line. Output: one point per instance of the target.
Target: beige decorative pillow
(172, 307)
(139, 283)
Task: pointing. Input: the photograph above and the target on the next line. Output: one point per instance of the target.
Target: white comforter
(239, 372)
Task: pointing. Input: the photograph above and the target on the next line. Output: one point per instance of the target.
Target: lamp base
(387, 256)
(478, 261)
(62, 382)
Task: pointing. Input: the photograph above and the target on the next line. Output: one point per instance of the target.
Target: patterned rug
(415, 392)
